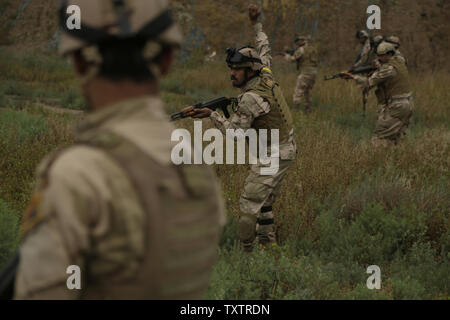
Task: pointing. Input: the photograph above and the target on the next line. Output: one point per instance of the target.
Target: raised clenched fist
(254, 12)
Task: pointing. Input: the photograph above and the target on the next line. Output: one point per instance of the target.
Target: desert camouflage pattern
(101, 14)
(364, 56)
(395, 101)
(93, 214)
(395, 40)
(259, 190)
(398, 55)
(393, 121)
(303, 88)
(263, 46)
(305, 80)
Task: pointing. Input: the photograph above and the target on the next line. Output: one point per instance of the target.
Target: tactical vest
(310, 57)
(381, 99)
(279, 116)
(399, 84)
(181, 227)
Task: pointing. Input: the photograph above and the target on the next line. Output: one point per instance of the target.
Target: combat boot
(265, 233)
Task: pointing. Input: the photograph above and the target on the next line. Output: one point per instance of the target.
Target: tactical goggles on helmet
(361, 34)
(234, 57)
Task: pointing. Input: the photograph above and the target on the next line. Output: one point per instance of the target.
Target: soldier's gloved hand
(253, 13)
(189, 111)
(197, 113)
(346, 75)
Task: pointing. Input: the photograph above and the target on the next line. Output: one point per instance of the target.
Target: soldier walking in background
(373, 60)
(307, 60)
(113, 204)
(367, 56)
(393, 93)
(260, 106)
(366, 50)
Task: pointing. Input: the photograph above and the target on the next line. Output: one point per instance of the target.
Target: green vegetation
(344, 205)
(36, 77)
(9, 227)
(26, 137)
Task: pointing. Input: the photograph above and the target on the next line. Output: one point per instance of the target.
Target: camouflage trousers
(303, 88)
(393, 121)
(256, 224)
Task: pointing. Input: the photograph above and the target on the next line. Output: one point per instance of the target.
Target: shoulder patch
(32, 215)
(268, 82)
(266, 69)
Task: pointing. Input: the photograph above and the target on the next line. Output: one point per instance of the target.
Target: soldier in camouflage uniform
(396, 42)
(307, 60)
(364, 55)
(393, 93)
(113, 204)
(260, 106)
(373, 59)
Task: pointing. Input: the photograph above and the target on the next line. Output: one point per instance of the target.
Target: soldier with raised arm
(261, 105)
(113, 210)
(307, 60)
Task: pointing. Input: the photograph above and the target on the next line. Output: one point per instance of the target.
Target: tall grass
(34, 76)
(344, 205)
(26, 137)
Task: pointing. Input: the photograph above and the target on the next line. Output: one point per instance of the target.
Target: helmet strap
(93, 59)
(247, 78)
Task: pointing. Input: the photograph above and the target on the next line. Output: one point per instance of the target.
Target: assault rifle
(359, 70)
(219, 103)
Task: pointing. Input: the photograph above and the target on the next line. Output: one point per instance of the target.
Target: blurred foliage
(9, 223)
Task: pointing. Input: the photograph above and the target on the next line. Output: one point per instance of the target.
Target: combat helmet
(377, 39)
(362, 34)
(301, 37)
(385, 47)
(394, 40)
(118, 23)
(245, 57)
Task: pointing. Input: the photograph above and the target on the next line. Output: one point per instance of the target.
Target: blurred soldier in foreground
(394, 96)
(114, 204)
(260, 106)
(307, 60)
